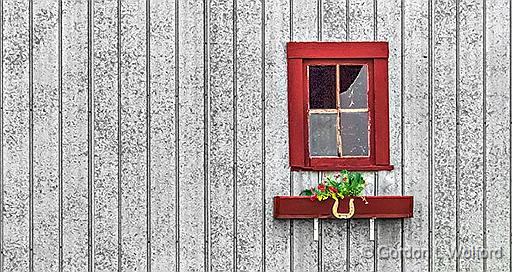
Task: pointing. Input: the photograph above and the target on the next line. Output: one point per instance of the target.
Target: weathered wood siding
(152, 135)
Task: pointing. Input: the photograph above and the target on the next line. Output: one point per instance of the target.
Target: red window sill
(302, 207)
(344, 167)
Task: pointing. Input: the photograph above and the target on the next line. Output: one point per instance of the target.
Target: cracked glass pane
(322, 134)
(353, 86)
(322, 87)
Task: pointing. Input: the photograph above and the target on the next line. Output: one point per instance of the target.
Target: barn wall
(152, 135)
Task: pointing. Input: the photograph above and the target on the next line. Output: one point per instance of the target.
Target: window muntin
(339, 121)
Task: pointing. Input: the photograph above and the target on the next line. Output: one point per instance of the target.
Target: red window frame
(373, 54)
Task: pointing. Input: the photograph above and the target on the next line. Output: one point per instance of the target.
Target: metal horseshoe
(351, 210)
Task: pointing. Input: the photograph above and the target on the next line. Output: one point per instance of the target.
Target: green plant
(344, 184)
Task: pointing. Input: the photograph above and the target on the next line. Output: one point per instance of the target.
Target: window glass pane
(322, 134)
(354, 133)
(322, 87)
(354, 86)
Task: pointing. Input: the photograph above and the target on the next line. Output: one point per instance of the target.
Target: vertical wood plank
(221, 135)
(334, 20)
(133, 135)
(75, 95)
(361, 20)
(304, 249)
(105, 136)
(191, 136)
(277, 178)
(389, 232)
(497, 134)
(304, 21)
(15, 145)
(162, 134)
(416, 129)
(471, 136)
(360, 248)
(249, 134)
(444, 132)
(221, 139)
(335, 252)
(46, 132)
(334, 249)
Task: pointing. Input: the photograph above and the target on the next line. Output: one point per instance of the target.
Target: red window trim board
(375, 55)
(337, 50)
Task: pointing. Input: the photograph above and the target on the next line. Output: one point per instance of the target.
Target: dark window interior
(322, 87)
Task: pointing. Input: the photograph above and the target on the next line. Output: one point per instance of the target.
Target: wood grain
(335, 240)
(389, 232)
(334, 20)
(277, 177)
(15, 135)
(304, 20)
(162, 135)
(249, 127)
(221, 135)
(416, 174)
(497, 135)
(305, 250)
(46, 135)
(471, 136)
(191, 136)
(133, 127)
(75, 157)
(444, 116)
(106, 139)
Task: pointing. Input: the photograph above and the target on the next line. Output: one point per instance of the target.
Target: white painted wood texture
(471, 127)
(74, 138)
(389, 232)
(162, 106)
(444, 149)
(134, 142)
(190, 134)
(153, 136)
(221, 136)
(249, 136)
(416, 131)
(305, 252)
(46, 140)
(105, 130)
(497, 135)
(276, 179)
(16, 121)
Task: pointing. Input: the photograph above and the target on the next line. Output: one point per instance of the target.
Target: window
(338, 105)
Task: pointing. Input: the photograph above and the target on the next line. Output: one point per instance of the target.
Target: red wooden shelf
(302, 207)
